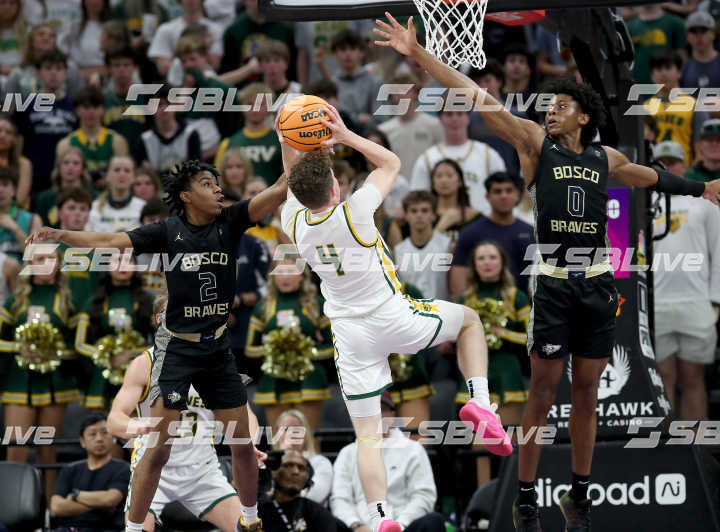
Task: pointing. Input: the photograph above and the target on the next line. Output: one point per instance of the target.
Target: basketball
(300, 122)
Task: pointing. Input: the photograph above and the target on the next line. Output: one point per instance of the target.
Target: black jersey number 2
(207, 288)
(576, 201)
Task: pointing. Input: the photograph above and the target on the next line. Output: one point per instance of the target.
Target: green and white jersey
(343, 246)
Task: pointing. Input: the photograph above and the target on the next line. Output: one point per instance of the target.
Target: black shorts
(573, 316)
(210, 367)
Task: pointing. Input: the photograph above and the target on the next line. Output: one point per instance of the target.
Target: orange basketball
(300, 122)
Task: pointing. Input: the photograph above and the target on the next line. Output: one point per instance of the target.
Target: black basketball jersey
(199, 264)
(569, 192)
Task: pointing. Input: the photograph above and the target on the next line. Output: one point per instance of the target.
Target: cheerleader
(32, 398)
(292, 301)
(119, 303)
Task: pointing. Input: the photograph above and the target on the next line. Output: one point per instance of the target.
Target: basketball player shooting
(369, 315)
(573, 307)
(192, 346)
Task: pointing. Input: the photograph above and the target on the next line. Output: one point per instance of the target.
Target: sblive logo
(670, 489)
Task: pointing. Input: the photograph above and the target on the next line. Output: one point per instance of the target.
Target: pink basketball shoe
(388, 525)
(486, 421)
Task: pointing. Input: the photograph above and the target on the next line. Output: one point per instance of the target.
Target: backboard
(297, 10)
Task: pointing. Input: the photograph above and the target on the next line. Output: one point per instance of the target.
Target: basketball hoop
(454, 28)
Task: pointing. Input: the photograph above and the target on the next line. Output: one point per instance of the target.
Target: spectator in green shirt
(654, 29)
(242, 38)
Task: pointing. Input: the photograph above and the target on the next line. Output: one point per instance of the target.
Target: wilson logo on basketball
(316, 133)
(318, 113)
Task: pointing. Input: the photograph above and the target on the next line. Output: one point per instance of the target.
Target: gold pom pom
(491, 312)
(44, 344)
(288, 354)
(110, 346)
(400, 367)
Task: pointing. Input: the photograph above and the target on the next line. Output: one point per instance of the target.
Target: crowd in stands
(459, 220)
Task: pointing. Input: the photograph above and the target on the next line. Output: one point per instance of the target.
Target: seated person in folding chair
(88, 493)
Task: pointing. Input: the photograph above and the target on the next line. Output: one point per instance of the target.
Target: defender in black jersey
(574, 304)
(192, 346)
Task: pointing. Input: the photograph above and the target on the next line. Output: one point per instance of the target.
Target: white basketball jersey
(192, 444)
(343, 246)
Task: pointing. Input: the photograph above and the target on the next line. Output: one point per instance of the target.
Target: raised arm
(80, 239)
(119, 421)
(525, 135)
(630, 174)
(387, 163)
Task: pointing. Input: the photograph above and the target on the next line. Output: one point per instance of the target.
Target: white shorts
(401, 325)
(198, 487)
(687, 348)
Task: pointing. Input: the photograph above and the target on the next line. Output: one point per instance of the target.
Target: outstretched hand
(401, 38)
(44, 234)
(712, 191)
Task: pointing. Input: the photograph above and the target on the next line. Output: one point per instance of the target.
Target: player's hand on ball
(336, 125)
(712, 191)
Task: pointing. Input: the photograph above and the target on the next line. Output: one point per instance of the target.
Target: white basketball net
(454, 30)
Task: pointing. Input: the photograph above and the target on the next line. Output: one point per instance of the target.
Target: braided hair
(179, 179)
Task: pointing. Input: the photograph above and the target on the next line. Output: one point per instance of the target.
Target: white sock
(478, 388)
(133, 527)
(249, 513)
(378, 512)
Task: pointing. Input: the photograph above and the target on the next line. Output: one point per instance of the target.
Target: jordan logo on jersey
(178, 237)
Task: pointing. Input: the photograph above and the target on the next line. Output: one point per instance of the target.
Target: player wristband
(673, 184)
